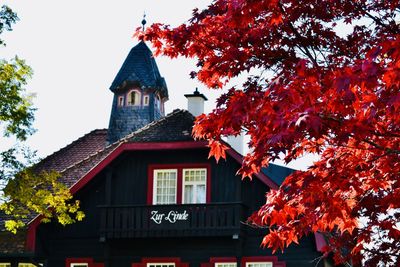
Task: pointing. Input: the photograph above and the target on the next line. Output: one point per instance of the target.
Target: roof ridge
(282, 166)
(128, 136)
(73, 142)
(125, 138)
(88, 157)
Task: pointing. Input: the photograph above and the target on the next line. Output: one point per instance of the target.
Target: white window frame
(155, 172)
(194, 183)
(137, 100)
(154, 264)
(221, 264)
(267, 263)
(146, 100)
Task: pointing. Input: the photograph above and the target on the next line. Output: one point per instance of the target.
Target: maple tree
(321, 77)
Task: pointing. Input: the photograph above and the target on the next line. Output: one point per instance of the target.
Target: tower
(139, 93)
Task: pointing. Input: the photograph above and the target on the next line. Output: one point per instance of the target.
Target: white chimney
(236, 142)
(196, 103)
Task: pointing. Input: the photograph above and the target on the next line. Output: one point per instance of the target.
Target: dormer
(140, 93)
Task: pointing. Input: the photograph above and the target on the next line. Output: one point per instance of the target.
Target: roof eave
(86, 178)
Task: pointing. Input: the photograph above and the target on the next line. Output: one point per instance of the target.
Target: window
(157, 101)
(82, 262)
(178, 184)
(134, 98)
(221, 262)
(161, 264)
(146, 100)
(165, 182)
(262, 261)
(225, 264)
(259, 264)
(121, 101)
(5, 264)
(194, 186)
(26, 265)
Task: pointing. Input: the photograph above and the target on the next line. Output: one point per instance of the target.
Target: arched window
(134, 98)
(157, 101)
(121, 101)
(146, 100)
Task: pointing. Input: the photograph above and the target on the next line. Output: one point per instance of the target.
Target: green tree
(25, 192)
(16, 110)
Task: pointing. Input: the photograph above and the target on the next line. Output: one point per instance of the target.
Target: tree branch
(377, 20)
(298, 36)
(381, 253)
(388, 150)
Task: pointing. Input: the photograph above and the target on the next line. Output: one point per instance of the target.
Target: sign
(170, 217)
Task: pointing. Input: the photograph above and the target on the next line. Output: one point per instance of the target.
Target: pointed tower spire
(139, 93)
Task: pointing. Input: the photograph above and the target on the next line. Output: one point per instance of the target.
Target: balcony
(217, 219)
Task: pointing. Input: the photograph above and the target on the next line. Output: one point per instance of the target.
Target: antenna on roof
(144, 20)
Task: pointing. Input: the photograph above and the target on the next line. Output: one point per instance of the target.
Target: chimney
(196, 103)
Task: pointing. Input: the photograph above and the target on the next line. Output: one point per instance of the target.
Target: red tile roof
(82, 148)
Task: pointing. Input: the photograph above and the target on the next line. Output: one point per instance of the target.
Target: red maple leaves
(318, 89)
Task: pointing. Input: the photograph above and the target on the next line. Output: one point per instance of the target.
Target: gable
(172, 132)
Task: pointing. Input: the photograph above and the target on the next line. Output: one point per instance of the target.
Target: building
(151, 196)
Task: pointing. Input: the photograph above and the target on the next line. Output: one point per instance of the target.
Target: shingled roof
(140, 67)
(75, 152)
(15, 243)
(175, 127)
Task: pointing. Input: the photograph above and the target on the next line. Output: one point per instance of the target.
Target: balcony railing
(217, 219)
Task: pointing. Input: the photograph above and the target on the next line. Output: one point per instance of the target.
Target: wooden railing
(217, 219)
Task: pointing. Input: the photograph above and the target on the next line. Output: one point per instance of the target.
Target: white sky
(76, 48)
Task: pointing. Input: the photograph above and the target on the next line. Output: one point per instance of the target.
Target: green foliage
(25, 193)
(30, 194)
(16, 110)
(7, 18)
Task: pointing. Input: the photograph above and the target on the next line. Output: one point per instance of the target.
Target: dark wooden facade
(118, 230)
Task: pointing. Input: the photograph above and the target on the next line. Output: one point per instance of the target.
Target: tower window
(121, 101)
(157, 101)
(134, 98)
(146, 100)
